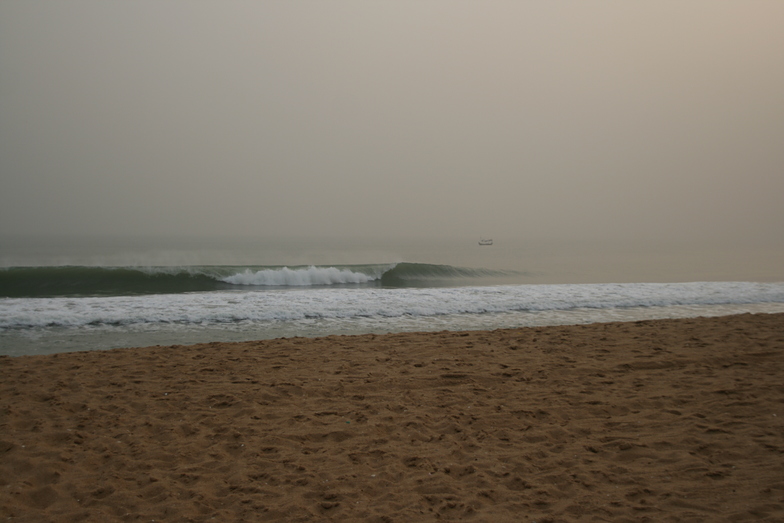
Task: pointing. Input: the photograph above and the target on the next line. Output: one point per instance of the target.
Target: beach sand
(667, 420)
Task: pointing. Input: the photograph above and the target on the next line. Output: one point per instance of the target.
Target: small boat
(483, 241)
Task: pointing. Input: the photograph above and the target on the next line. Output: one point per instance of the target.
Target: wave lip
(285, 277)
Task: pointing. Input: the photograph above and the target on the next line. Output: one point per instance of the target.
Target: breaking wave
(19, 282)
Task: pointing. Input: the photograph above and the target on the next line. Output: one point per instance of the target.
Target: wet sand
(666, 420)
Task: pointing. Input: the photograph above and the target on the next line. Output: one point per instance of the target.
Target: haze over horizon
(603, 120)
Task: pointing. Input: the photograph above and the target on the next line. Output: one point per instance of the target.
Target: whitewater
(56, 324)
(284, 305)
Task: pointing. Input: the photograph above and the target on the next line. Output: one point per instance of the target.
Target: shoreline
(650, 420)
(15, 342)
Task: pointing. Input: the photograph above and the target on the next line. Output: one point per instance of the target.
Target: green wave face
(427, 275)
(17, 282)
(100, 281)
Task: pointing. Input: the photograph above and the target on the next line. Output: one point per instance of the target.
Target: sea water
(60, 296)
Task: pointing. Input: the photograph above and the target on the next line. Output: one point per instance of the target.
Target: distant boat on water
(485, 241)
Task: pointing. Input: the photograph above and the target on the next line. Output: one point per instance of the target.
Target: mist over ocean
(62, 295)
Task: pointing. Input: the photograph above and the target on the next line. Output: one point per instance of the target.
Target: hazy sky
(526, 119)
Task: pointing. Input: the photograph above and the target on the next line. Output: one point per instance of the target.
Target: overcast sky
(526, 119)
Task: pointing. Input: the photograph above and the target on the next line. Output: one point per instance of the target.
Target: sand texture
(671, 420)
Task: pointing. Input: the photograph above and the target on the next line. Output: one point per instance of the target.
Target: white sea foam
(213, 308)
(298, 277)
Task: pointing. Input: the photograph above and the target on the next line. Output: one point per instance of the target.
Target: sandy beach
(666, 420)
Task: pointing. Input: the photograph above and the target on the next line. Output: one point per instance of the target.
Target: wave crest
(123, 281)
(286, 277)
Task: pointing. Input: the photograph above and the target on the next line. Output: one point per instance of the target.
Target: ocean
(60, 295)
